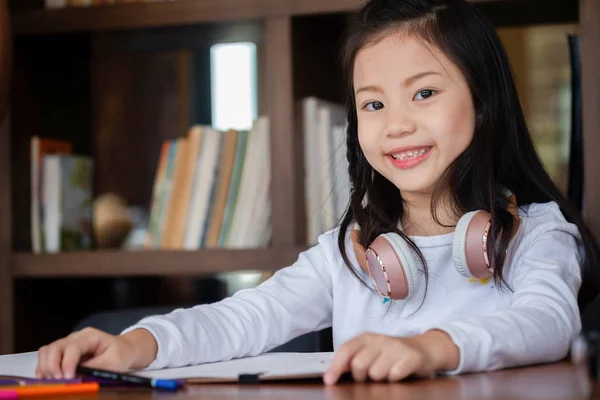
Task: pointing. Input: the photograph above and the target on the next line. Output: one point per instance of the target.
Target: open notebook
(265, 367)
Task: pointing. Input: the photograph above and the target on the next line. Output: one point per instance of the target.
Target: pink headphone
(390, 262)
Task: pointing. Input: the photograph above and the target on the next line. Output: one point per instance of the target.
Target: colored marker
(50, 390)
(168, 384)
(29, 381)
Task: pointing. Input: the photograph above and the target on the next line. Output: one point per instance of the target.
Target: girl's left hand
(381, 357)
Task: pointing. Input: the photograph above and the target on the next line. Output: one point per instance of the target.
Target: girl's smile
(409, 157)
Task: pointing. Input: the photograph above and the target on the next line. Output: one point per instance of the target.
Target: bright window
(233, 89)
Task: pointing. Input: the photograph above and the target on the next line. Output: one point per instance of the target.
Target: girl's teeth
(409, 154)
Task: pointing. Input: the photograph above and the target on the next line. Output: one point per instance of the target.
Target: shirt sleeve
(295, 300)
(543, 318)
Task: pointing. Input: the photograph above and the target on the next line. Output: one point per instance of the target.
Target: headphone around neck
(393, 267)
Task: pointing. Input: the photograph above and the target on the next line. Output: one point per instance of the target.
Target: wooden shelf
(129, 16)
(304, 7)
(181, 12)
(148, 263)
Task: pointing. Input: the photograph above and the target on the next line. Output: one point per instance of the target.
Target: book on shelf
(326, 182)
(220, 189)
(211, 190)
(39, 148)
(67, 203)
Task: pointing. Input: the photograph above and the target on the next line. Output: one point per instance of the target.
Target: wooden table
(555, 381)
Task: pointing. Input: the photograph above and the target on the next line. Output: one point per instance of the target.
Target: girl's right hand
(136, 349)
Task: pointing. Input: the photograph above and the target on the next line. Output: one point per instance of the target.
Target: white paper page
(21, 365)
(269, 364)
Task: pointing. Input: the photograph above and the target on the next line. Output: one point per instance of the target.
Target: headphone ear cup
(468, 252)
(458, 245)
(399, 275)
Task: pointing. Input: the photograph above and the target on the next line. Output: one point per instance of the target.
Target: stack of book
(326, 181)
(212, 190)
(61, 197)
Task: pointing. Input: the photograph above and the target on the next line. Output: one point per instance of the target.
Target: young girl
(485, 261)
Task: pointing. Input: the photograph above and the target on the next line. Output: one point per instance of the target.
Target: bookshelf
(71, 54)
(128, 16)
(113, 263)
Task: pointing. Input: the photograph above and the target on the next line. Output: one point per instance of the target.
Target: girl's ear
(359, 250)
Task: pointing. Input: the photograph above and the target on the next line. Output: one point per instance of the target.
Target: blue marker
(386, 299)
(167, 384)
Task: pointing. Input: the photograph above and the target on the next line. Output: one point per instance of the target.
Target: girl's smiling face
(415, 111)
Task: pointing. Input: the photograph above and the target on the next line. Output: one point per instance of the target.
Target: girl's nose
(399, 123)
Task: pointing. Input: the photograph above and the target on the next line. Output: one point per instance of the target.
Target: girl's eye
(374, 106)
(423, 94)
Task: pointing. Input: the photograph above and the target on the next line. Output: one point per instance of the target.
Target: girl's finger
(399, 370)
(341, 360)
(52, 359)
(40, 372)
(72, 354)
(362, 361)
(381, 366)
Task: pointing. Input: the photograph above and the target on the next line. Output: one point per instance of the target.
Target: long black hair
(501, 153)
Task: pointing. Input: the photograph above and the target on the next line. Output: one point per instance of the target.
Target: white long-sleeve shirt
(493, 328)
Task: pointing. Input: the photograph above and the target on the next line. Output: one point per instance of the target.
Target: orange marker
(49, 390)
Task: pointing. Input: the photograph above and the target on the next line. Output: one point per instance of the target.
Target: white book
(319, 119)
(255, 229)
(326, 209)
(254, 174)
(268, 366)
(311, 165)
(52, 209)
(337, 164)
(341, 180)
(20, 365)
